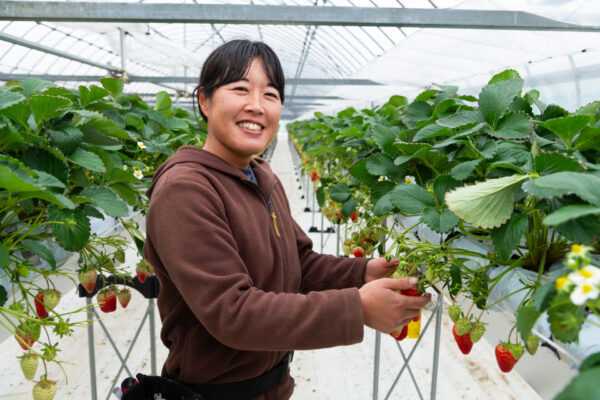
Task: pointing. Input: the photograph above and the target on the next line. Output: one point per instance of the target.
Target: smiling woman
(232, 261)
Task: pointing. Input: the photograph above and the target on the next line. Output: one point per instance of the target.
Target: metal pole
(436, 347)
(92, 355)
(376, 365)
(322, 244)
(152, 336)
(122, 42)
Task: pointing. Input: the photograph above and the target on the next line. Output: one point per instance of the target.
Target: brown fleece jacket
(240, 283)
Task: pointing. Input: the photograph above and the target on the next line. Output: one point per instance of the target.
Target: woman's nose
(254, 103)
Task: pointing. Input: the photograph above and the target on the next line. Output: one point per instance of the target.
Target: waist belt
(248, 389)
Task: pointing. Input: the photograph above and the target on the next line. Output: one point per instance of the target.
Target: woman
(240, 284)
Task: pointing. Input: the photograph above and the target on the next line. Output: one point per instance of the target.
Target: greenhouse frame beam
(36, 46)
(181, 79)
(280, 15)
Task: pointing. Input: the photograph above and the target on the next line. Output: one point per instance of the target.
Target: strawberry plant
(504, 170)
(67, 156)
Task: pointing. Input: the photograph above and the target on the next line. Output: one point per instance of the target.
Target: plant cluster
(503, 169)
(67, 156)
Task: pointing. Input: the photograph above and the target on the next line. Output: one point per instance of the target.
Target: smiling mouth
(251, 126)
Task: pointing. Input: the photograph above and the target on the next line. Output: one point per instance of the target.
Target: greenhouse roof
(335, 53)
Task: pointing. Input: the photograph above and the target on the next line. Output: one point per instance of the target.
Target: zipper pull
(275, 223)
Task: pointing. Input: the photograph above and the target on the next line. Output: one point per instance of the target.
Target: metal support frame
(437, 313)
(40, 47)
(149, 289)
(281, 15)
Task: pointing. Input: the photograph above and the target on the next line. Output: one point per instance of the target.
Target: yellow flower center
(576, 248)
(585, 273)
(586, 288)
(561, 282)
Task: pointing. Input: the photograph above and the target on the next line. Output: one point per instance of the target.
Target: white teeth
(251, 126)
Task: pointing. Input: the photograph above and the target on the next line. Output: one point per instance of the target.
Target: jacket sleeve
(323, 271)
(196, 247)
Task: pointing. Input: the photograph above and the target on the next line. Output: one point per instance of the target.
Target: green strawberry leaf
(419, 111)
(384, 205)
(566, 127)
(443, 184)
(526, 318)
(360, 172)
(348, 207)
(73, 231)
(584, 185)
(460, 119)
(440, 222)
(8, 98)
(107, 200)
(588, 139)
(549, 163)
(44, 160)
(88, 160)
(512, 126)
(67, 139)
(570, 212)
(565, 321)
(114, 86)
(47, 107)
(463, 170)
(486, 204)
(384, 137)
(125, 192)
(507, 237)
(582, 387)
(93, 120)
(543, 296)
(33, 85)
(381, 165)
(431, 131)
(3, 296)
(39, 249)
(411, 198)
(321, 195)
(340, 192)
(495, 98)
(505, 75)
(581, 230)
(380, 189)
(3, 256)
(592, 361)
(163, 101)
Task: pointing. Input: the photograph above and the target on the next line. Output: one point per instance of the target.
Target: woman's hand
(379, 268)
(385, 309)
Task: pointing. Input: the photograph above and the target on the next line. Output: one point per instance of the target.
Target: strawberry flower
(583, 293)
(141, 145)
(138, 174)
(586, 275)
(410, 179)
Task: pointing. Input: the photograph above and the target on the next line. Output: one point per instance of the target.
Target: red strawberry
(400, 333)
(414, 292)
(464, 342)
(88, 279)
(358, 252)
(40, 310)
(314, 176)
(354, 216)
(141, 275)
(27, 333)
(507, 355)
(124, 297)
(107, 300)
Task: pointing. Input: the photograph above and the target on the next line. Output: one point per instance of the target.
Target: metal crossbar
(149, 289)
(437, 313)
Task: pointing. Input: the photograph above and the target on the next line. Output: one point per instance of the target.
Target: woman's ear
(203, 102)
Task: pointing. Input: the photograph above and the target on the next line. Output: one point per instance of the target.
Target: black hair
(230, 63)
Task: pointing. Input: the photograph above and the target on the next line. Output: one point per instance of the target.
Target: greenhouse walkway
(338, 373)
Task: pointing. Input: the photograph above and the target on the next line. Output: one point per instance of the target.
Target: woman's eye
(274, 95)
(240, 88)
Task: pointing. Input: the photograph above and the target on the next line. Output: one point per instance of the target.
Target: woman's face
(242, 116)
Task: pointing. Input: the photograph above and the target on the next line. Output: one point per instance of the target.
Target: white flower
(124, 167)
(382, 178)
(584, 292)
(589, 275)
(141, 145)
(410, 179)
(138, 174)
